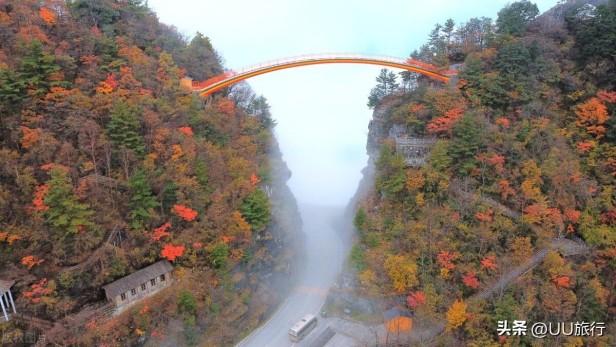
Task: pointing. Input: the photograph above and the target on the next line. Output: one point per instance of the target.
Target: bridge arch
(228, 78)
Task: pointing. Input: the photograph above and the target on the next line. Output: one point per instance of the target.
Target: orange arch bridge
(229, 77)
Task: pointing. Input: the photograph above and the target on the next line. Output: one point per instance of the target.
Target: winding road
(326, 250)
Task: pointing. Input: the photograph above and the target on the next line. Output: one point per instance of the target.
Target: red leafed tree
(586, 146)
(184, 212)
(608, 217)
(31, 261)
(226, 106)
(503, 122)
(186, 131)
(415, 299)
(38, 203)
(486, 216)
(444, 124)
(445, 259)
(562, 281)
(489, 262)
(497, 161)
(161, 231)
(605, 96)
(254, 179)
(470, 280)
(38, 290)
(171, 252)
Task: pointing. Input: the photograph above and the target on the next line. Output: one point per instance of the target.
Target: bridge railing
(308, 57)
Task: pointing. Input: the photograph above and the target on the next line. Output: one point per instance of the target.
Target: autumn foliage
(415, 299)
(489, 262)
(29, 137)
(470, 280)
(444, 124)
(456, 315)
(38, 203)
(171, 252)
(38, 290)
(47, 15)
(186, 131)
(161, 231)
(108, 85)
(31, 261)
(592, 115)
(184, 212)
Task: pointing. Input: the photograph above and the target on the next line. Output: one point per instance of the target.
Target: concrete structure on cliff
(6, 298)
(140, 284)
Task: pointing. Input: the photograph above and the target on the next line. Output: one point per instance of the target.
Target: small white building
(6, 298)
(130, 289)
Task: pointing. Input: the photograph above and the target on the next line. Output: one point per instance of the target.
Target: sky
(320, 110)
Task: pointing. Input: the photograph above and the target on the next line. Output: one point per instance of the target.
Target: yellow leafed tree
(456, 315)
(402, 272)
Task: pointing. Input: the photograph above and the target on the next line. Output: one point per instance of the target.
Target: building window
(133, 291)
(162, 278)
(123, 296)
(142, 286)
(153, 281)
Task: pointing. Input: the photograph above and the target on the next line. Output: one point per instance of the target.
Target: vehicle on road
(303, 327)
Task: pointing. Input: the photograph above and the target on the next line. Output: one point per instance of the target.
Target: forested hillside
(524, 164)
(107, 166)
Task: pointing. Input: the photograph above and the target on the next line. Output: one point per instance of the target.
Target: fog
(320, 110)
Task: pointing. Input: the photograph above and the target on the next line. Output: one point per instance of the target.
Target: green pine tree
(466, 143)
(514, 18)
(66, 215)
(123, 128)
(256, 210)
(142, 201)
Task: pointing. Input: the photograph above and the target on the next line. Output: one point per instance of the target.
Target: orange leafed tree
(29, 136)
(47, 15)
(31, 261)
(38, 203)
(108, 85)
(505, 189)
(592, 115)
(184, 212)
(572, 215)
(171, 252)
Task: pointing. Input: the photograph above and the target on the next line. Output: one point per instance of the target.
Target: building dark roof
(5, 285)
(395, 312)
(135, 279)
